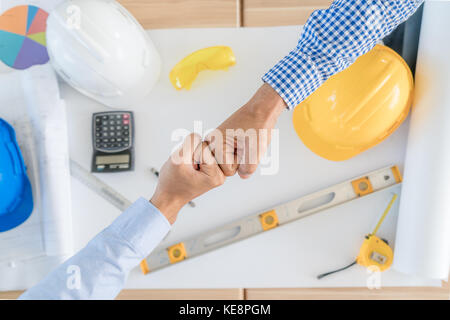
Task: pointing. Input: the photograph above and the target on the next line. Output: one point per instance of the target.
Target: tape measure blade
(98, 186)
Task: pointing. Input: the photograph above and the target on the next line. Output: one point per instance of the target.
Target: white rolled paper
(48, 115)
(423, 232)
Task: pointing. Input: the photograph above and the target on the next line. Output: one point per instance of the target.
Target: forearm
(100, 270)
(267, 103)
(168, 205)
(331, 40)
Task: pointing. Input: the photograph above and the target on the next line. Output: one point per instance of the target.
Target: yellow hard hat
(357, 108)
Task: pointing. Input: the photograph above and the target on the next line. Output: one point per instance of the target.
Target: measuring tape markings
(282, 214)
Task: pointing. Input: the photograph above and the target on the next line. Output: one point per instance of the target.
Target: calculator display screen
(116, 159)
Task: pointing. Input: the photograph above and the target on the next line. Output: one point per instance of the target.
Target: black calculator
(113, 141)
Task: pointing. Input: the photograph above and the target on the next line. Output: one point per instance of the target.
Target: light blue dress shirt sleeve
(100, 269)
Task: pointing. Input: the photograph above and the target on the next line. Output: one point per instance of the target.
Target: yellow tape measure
(374, 252)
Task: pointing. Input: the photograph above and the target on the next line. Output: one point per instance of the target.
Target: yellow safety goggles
(213, 58)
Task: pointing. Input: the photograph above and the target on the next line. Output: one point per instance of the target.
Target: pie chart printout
(22, 37)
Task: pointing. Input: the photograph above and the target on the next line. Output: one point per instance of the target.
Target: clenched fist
(190, 171)
(239, 143)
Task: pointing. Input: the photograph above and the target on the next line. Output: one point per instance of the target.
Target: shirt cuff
(294, 78)
(142, 225)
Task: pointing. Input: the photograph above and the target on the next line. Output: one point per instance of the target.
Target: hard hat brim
(16, 200)
(11, 219)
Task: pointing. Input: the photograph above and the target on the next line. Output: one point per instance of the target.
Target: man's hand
(189, 172)
(239, 143)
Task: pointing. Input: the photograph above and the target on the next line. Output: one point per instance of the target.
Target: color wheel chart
(22, 37)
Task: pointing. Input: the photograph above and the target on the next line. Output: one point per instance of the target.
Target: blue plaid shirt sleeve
(331, 40)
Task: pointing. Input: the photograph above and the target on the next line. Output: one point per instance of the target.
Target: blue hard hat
(16, 198)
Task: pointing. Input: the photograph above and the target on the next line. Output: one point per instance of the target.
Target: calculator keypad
(112, 132)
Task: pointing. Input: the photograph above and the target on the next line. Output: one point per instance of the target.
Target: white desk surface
(289, 256)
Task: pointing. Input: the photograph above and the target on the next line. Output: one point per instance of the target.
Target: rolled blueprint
(422, 244)
(48, 116)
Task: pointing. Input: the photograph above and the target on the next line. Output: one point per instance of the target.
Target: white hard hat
(101, 50)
